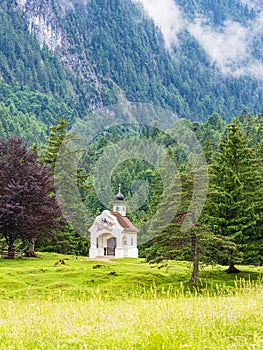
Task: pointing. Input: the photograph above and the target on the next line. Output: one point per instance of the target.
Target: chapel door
(111, 245)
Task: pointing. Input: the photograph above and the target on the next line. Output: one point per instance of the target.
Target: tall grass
(232, 322)
(80, 306)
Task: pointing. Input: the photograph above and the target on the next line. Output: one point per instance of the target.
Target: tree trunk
(11, 251)
(195, 271)
(195, 259)
(232, 268)
(30, 253)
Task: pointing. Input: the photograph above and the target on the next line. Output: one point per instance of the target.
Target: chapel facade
(113, 234)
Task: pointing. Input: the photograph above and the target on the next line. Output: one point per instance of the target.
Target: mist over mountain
(230, 35)
(70, 57)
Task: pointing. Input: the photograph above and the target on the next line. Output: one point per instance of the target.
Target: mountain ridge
(94, 53)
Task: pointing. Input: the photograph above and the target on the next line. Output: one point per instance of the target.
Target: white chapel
(113, 234)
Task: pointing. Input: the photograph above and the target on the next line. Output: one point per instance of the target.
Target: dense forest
(229, 227)
(86, 55)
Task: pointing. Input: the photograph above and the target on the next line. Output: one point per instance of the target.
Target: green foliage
(67, 240)
(167, 242)
(135, 59)
(111, 51)
(233, 202)
(164, 242)
(170, 243)
(219, 10)
(22, 61)
(57, 135)
(184, 238)
(28, 113)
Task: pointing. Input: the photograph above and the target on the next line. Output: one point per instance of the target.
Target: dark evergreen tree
(55, 139)
(68, 241)
(231, 205)
(254, 246)
(185, 238)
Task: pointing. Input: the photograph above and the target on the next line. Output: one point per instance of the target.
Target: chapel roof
(119, 196)
(125, 223)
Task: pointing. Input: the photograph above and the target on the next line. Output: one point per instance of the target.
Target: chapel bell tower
(119, 206)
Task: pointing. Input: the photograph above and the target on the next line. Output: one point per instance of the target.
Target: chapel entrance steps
(104, 258)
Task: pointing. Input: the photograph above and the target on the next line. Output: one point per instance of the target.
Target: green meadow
(127, 304)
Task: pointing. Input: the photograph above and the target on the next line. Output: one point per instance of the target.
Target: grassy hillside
(124, 278)
(126, 304)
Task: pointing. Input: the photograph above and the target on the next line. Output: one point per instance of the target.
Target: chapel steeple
(119, 206)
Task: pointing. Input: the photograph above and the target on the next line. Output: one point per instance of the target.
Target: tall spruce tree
(254, 247)
(231, 206)
(68, 241)
(55, 139)
(195, 243)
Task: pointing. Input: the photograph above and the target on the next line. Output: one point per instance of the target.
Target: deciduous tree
(28, 207)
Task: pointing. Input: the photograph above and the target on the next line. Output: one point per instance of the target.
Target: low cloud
(225, 45)
(230, 46)
(167, 16)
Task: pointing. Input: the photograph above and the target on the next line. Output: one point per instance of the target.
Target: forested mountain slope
(81, 55)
